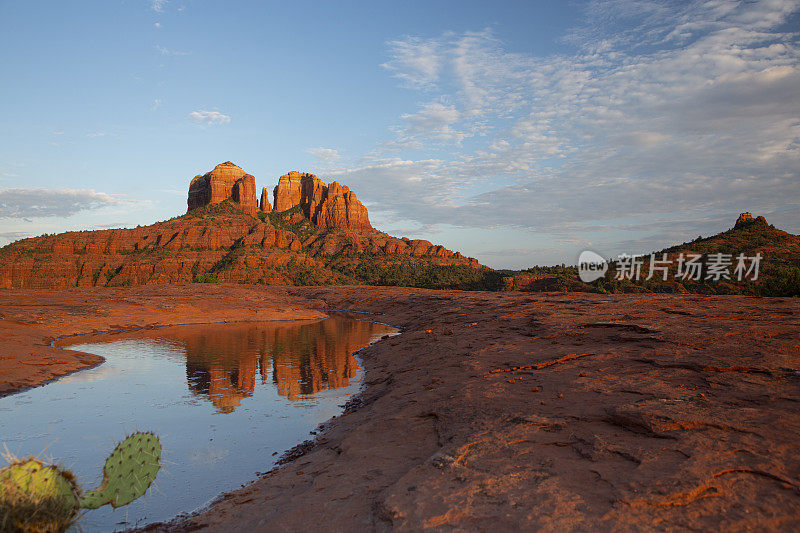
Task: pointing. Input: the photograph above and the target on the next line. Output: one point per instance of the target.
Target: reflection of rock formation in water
(301, 359)
(316, 357)
(225, 384)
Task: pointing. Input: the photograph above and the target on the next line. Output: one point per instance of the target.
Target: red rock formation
(226, 181)
(342, 209)
(264, 207)
(228, 246)
(746, 219)
(287, 193)
(328, 206)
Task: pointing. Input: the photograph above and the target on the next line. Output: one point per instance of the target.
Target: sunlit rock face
(226, 182)
(182, 249)
(327, 206)
(287, 192)
(746, 219)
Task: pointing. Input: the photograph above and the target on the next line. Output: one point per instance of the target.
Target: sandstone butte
(746, 219)
(226, 181)
(312, 234)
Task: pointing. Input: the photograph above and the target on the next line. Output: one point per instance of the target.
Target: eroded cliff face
(288, 191)
(226, 182)
(327, 206)
(746, 219)
(227, 236)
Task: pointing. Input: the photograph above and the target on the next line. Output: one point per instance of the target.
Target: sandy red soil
(502, 411)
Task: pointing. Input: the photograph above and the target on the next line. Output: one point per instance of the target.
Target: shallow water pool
(226, 401)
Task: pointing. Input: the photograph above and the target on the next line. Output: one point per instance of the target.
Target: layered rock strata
(226, 182)
(327, 206)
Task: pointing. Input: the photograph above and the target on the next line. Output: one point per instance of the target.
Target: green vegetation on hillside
(381, 269)
(286, 220)
(779, 272)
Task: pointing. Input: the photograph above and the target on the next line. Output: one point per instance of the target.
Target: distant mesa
(313, 234)
(327, 206)
(746, 219)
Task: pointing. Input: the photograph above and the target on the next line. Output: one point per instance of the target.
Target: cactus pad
(35, 497)
(128, 472)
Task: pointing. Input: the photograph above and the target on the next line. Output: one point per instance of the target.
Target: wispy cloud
(209, 118)
(433, 121)
(415, 61)
(30, 203)
(158, 5)
(167, 52)
(669, 109)
(326, 155)
(112, 225)
(11, 236)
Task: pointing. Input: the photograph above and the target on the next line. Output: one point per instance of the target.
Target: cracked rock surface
(554, 412)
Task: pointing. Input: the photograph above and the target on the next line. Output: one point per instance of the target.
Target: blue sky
(519, 133)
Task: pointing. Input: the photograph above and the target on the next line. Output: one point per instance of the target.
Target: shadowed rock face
(327, 206)
(226, 181)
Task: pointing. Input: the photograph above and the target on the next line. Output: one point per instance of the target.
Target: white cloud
(209, 118)
(167, 52)
(667, 110)
(434, 121)
(29, 203)
(433, 116)
(325, 155)
(11, 236)
(415, 61)
(157, 25)
(158, 5)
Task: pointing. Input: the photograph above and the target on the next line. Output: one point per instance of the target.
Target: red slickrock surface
(500, 411)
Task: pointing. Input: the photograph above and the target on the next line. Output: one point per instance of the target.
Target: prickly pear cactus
(128, 472)
(35, 497)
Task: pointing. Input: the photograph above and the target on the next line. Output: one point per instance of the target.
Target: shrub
(207, 277)
(783, 281)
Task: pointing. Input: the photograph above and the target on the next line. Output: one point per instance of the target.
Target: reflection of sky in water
(223, 399)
